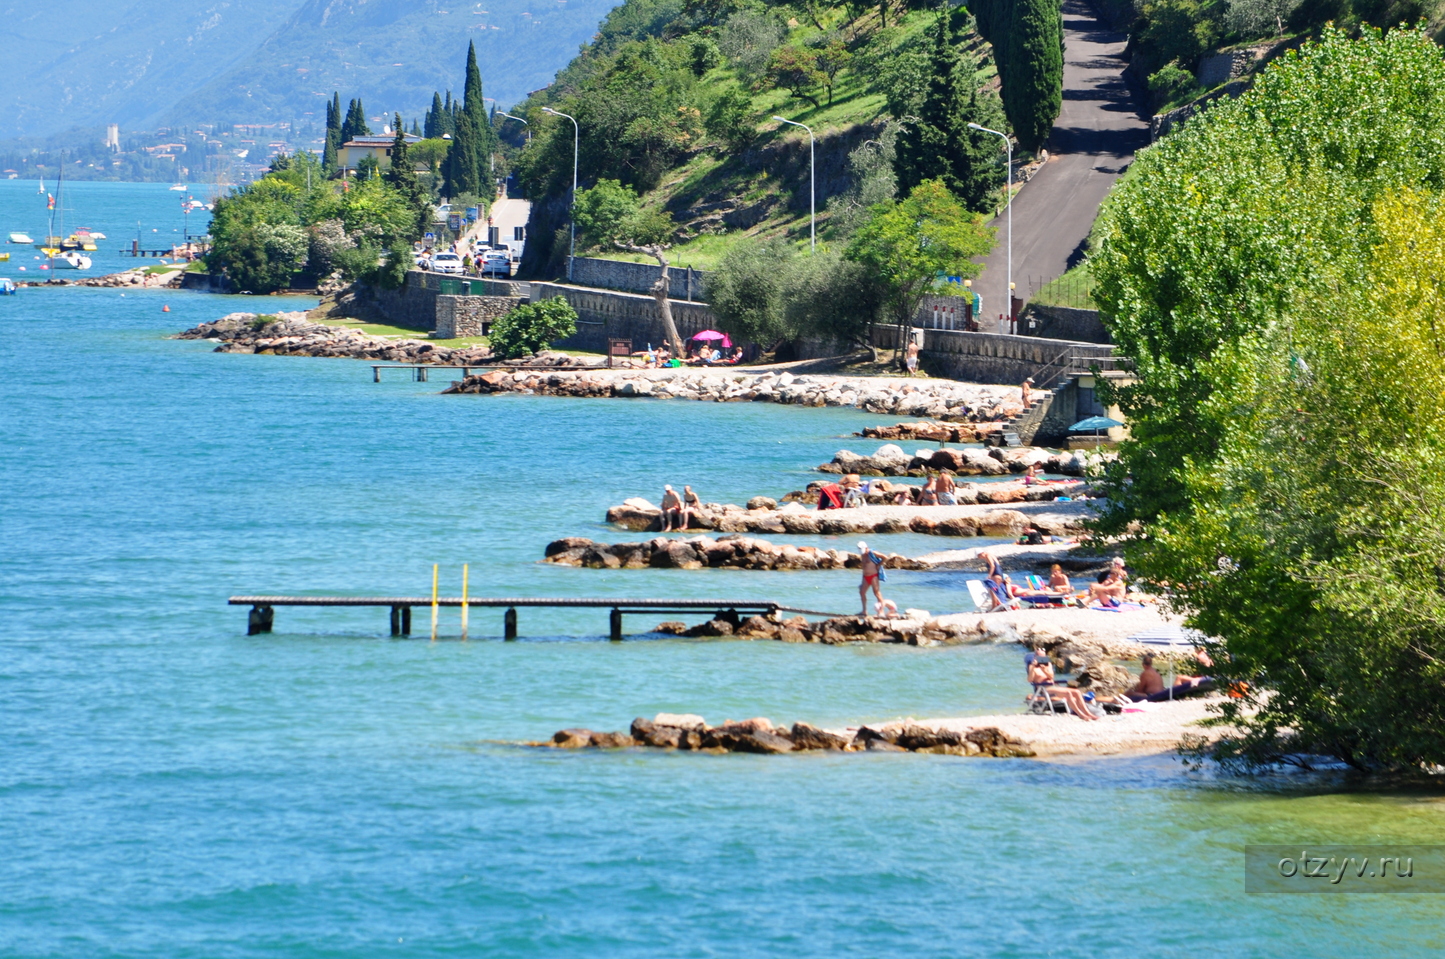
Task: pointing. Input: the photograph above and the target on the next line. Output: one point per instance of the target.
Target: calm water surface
(169, 787)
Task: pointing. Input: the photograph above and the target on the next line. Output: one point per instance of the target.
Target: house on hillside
(376, 147)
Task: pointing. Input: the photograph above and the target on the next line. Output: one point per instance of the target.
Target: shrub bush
(530, 329)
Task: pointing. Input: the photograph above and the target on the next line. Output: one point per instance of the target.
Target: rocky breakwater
(946, 399)
(686, 731)
(734, 551)
(763, 515)
(140, 278)
(931, 432)
(891, 460)
(291, 334)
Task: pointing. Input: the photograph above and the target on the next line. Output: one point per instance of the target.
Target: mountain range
(84, 63)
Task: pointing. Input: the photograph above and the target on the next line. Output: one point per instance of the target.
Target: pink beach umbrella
(714, 335)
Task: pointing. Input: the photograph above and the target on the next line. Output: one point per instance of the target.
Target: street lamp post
(812, 186)
(576, 144)
(1008, 145)
(522, 122)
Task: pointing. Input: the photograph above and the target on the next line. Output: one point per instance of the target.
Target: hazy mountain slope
(87, 62)
(395, 53)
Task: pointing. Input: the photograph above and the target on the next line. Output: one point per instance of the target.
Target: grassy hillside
(676, 100)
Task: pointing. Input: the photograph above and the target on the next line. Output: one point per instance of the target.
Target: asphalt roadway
(1094, 139)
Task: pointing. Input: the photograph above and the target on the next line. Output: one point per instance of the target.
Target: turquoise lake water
(170, 787)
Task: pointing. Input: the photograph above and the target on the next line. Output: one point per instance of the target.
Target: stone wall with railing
(684, 283)
(996, 357)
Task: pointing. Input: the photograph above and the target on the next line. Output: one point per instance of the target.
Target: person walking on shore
(910, 357)
(872, 576)
(673, 516)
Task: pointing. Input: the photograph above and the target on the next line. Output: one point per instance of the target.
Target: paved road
(1094, 139)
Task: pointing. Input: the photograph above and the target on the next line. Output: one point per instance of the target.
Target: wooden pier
(262, 615)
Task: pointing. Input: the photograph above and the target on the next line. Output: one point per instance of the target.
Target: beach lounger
(1041, 703)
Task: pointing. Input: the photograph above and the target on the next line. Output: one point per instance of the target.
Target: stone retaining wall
(1063, 323)
(685, 282)
(990, 357)
(602, 315)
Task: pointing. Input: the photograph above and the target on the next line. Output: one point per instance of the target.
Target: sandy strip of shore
(1160, 730)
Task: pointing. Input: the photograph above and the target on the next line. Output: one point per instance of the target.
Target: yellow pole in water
(464, 601)
(433, 602)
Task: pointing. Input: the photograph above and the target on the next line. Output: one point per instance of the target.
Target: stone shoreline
(1053, 518)
(737, 551)
(1160, 730)
(939, 399)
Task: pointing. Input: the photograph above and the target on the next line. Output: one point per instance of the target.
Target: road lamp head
(974, 126)
(782, 119)
(551, 111)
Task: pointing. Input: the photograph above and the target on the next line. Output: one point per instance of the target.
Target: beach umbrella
(1170, 637)
(709, 335)
(1094, 423)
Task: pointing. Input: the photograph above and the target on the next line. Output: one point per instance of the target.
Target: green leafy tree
(1219, 225)
(263, 257)
(939, 144)
(795, 69)
(1171, 84)
(830, 57)
(909, 244)
(1178, 30)
(746, 292)
(872, 164)
(731, 118)
(831, 298)
(1031, 68)
(532, 328)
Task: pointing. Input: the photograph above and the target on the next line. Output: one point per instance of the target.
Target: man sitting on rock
(1150, 682)
(673, 516)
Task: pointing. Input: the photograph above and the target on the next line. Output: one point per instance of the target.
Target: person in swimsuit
(690, 505)
(1150, 682)
(947, 490)
(672, 513)
(1040, 673)
(911, 357)
(929, 495)
(1059, 580)
(872, 576)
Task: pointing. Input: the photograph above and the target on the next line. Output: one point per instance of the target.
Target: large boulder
(890, 459)
(976, 461)
(806, 737)
(1003, 523)
(762, 502)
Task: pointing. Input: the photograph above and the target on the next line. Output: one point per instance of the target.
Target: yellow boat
(4, 257)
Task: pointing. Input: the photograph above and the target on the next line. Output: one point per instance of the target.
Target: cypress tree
(939, 145)
(435, 125)
(461, 170)
(1031, 70)
(402, 175)
(333, 134)
(474, 105)
(415, 128)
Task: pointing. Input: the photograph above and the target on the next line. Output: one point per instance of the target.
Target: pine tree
(402, 175)
(939, 145)
(1031, 70)
(435, 122)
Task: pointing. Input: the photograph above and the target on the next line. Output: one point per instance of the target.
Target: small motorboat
(4, 257)
(180, 187)
(21, 238)
(7, 286)
(69, 260)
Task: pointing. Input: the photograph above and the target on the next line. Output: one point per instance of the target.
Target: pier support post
(509, 623)
(396, 621)
(260, 620)
(406, 620)
(421, 374)
(376, 374)
(615, 622)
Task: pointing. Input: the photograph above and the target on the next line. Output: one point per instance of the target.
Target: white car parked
(496, 263)
(446, 263)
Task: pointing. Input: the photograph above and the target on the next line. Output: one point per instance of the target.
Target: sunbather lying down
(1040, 673)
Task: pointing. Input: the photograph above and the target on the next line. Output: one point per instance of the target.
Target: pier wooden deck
(263, 613)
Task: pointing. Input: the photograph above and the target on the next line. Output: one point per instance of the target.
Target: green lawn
(406, 333)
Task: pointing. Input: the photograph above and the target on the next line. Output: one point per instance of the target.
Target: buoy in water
(166, 308)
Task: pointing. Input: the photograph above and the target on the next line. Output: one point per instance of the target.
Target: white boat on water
(7, 286)
(179, 186)
(70, 260)
(21, 238)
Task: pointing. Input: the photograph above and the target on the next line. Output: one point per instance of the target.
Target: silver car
(496, 263)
